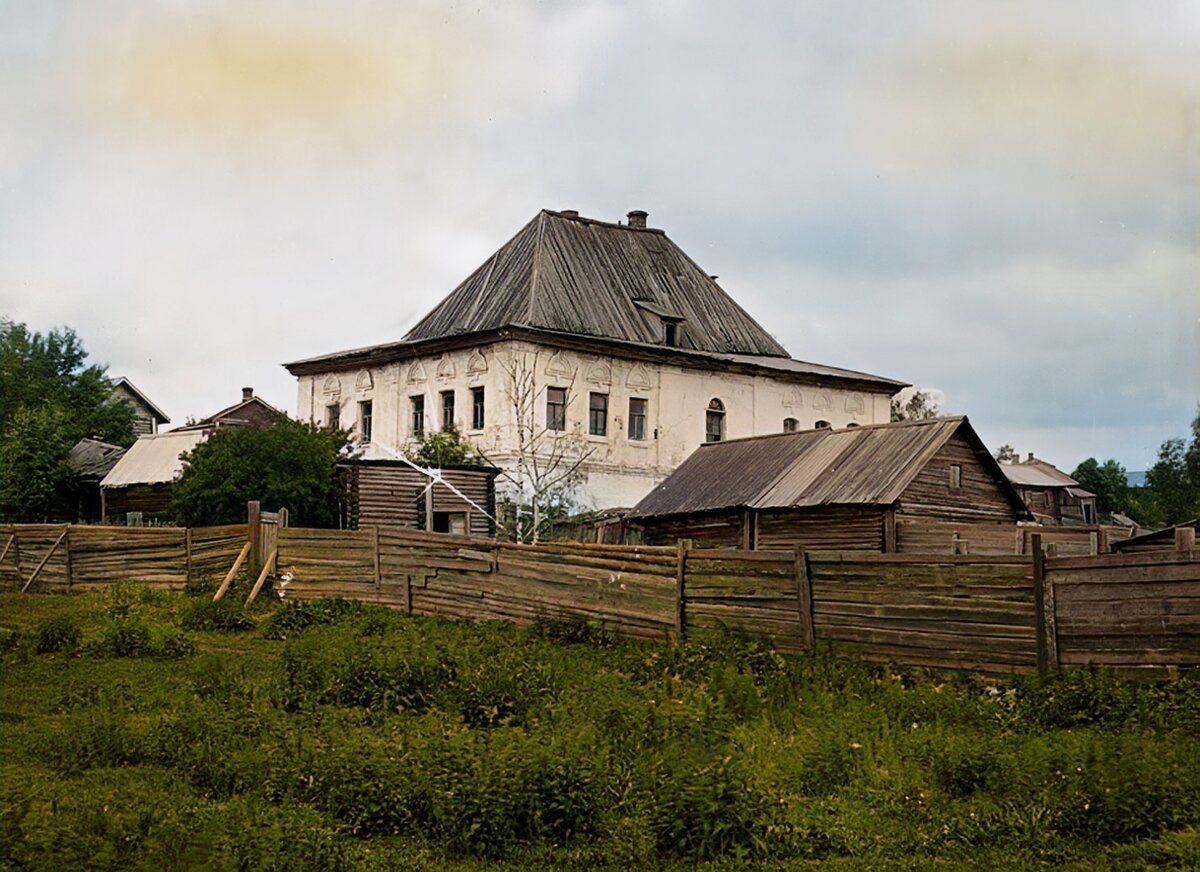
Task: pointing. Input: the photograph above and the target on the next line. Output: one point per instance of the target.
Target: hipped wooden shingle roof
(592, 278)
(870, 465)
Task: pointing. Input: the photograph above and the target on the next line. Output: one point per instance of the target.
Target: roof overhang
(782, 368)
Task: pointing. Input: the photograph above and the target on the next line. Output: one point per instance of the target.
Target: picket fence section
(994, 613)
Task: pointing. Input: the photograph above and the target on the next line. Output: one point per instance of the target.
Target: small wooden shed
(392, 493)
(830, 489)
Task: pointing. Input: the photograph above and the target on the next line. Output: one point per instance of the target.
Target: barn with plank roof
(830, 489)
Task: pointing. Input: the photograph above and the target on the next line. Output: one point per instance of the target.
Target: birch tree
(546, 465)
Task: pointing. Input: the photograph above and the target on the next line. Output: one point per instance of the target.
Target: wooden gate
(264, 533)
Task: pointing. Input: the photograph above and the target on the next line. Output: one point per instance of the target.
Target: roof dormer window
(671, 334)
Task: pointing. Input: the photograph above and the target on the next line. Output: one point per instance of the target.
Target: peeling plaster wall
(620, 471)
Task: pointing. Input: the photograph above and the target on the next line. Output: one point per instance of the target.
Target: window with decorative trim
(598, 414)
(637, 419)
(364, 420)
(714, 421)
(556, 409)
(790, 425)
(417, 407)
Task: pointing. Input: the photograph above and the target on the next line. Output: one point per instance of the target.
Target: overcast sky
(999, 201)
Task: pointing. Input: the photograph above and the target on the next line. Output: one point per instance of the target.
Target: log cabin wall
(392, 495)
(720, 529)
(833, 528)
(979, 496)
(145, 498)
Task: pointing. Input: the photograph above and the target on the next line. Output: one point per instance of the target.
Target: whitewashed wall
(620, 471)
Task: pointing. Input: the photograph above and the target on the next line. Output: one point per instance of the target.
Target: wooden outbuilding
(842, 489)
(392, 493)
(1181, 537)
(147, 417)
(1054, 497)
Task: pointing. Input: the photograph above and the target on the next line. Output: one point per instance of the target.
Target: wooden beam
(681, 550)
(46, 559)
(804, 601)
(1043, 609)
(268, 567)
(254, 533)
(1185, 538)
(889, 531)
(229, 576)
(375, 548)
(12, 537)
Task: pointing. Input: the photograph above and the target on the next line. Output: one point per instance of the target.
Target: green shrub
(59, 633)
(225, 615)
(572, 632)
(9, 639)
(829, 767)
(296, 616)
(711, 811)
(126, 637)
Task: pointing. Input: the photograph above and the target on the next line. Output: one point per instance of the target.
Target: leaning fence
(994, 613)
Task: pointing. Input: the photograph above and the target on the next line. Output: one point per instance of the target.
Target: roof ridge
(824, 431)
(537, 264)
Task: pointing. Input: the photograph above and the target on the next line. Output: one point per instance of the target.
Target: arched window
(851, 424)
(790, 425)
(822, 425)
(714, 421)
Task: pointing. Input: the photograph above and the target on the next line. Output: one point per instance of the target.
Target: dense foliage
(1171, 494)
(442, 448)
(50, 398)
(286, 464)
(914, 405)
(334, 735)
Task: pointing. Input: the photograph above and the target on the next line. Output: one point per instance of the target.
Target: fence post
(67, 552)
(681, 550)
(1102, 544)
(804, 600)
(254, 534)
(1043, 609)
(187, 556)
(1185, 538)
(378, 579)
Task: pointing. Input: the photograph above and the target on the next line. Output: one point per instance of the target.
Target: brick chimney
(247, 394)
(637, 219)
(1029, 459)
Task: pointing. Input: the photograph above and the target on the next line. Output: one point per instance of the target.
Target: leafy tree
(1175, 494)
(1006, 454)
(917, 406)
(443, 448)
(286, 464)
(50, 398)
(1108, 481)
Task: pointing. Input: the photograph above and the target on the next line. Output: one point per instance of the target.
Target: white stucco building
(603, 339)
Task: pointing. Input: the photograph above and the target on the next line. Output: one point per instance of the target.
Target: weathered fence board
(991, 612)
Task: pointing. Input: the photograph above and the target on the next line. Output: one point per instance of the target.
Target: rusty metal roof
(869, 465)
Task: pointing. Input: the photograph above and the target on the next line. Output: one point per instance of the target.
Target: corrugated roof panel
(153, 459)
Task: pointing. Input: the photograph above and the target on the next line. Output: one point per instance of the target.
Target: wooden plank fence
(59, 557)
(994, 613)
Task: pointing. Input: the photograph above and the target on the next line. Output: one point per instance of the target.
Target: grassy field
(143, 729)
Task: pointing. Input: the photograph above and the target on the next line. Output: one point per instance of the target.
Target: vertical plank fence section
(750, 591)
(1128, 611)
(804, 602)
(965, 612)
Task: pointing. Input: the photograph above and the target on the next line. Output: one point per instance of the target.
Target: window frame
(822, 425)
(478, 408)
(790, 425)
(448, 402)
(714, 413)
(366, 419)
(333, 415)
(556, 410)
(955, 482)
(597, 414)
(638, 434)
(416, 415)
